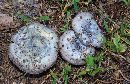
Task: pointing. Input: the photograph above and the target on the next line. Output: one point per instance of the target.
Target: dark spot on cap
(16, 52)
(26, 65)
(84, 54)
(84, 38)
(62, 45)
(44, 66)
(35, 54)
(90, 35)
(81, 17)
(24, 60)
(73, 37)
(73, 50)
(72, 43)
(71, 59)
(91, 52)
(67, 47)
(83, 47)
(68, 39)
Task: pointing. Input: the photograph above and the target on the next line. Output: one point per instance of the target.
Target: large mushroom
(34, 48)
(72, 49)
(87, 29)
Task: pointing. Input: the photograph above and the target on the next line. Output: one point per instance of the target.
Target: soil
(118, 68)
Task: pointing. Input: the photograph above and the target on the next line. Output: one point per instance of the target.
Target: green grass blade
(116, 40)
(126, 40)
(90, 61)
(44, 18)
(75, 4)
(106, 26)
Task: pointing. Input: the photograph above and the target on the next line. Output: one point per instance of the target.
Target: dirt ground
(118, 69)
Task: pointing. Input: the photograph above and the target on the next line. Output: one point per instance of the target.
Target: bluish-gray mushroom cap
(87, 29)
(72, 49)
(34, 48)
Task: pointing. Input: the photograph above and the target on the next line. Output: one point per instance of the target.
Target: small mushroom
(72, 49)
(87, 29)
(34, 48)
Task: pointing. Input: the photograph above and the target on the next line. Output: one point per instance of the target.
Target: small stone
(14, 83)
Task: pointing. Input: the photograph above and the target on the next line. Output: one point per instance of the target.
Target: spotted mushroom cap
(72, 49)
(34, 48)
(87, 29)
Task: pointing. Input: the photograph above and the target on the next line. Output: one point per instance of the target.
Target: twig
(104, 82)
(118, 56)
(124, 76)
(43, 82)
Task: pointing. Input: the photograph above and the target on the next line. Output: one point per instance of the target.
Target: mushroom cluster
(76, 44)
(34, 48)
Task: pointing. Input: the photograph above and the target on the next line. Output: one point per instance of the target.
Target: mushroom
(87, 29)
(76, 45)
(34, 48)
(72, 49)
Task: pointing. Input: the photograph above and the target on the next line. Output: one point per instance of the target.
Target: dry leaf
(129, 54)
